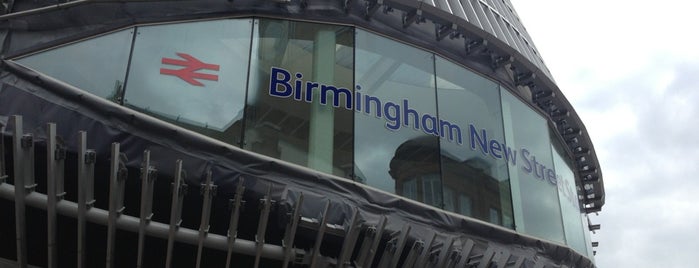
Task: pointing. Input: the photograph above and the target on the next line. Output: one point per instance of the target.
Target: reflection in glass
(192, 74)
(534, 192)
(96, 65)
(477, 181)
(568, 196)
(394, 124)
(296, 127)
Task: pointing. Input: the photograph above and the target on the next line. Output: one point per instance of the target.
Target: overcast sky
(631, 70)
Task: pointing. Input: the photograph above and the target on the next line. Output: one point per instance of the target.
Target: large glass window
(96, 65)
(396, 125)
(299, 104)
(192, 74)
(534, 192)
(474, 158)
(568, 196)
(345, 102)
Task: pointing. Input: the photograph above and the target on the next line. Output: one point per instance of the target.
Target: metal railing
(377, 247)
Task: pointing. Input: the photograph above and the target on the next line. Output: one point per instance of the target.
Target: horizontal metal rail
(155, 229)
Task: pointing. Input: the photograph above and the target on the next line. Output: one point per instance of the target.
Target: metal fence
(362, 245)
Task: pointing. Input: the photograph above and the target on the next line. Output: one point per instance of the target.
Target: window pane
(474, 160)
(97, 65)
(300, 85)
(410, 189)
(465, 205)
(396, 117)
(568, 196)
(192, 74)
(534, 191)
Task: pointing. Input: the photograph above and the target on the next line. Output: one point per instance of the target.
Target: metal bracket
(465, 253)
(235, 216)
(424, 257)
(208, 189)
(445, 251)
(372, 238)
(474, 46)
(370, 7)
(148, 176)
(117, 179)
(412, 16)
(442, 31)
(266, 204)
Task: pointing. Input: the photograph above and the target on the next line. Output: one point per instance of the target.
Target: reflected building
(464, 187)
(333, 134)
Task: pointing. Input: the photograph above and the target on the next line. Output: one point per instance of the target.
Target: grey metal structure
(421, 253)
(485, 35)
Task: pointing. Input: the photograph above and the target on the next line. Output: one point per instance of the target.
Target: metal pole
(208, 190)
(52, 159)
(148, 175)
(114, 204)
(20, 158)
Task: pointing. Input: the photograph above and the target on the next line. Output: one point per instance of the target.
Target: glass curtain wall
(299, 106)
(346, 102)
(474, 174)
(97, 65)
(568, 197)
(534, 192)
(396, 126)
(178, 74)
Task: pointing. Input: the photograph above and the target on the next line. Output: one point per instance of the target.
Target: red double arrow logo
(189, 73)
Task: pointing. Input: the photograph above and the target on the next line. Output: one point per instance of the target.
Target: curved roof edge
(473, 41)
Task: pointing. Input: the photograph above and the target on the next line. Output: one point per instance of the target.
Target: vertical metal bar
(116, 191)
(148, 176)
(400, 244)
(179, 189)
(20, 157)
(233, 224)
(2, 154)
(487, 257)
(375, 243)
(520, 261)
(290, 233)
(319, 236)
(262, 225)
(424, 257)
(208, 189)
(351, 235)
(394, 248)
(465, 253)
(415, 251)
(83, 174)
(53, 157)
(503, 258)
(446, 250)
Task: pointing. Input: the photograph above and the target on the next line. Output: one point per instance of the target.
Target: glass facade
(343, 101)
(534, 194)
(82, 64)
(299, 73)
(178, 75)
(476, 182)
(395, 118)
